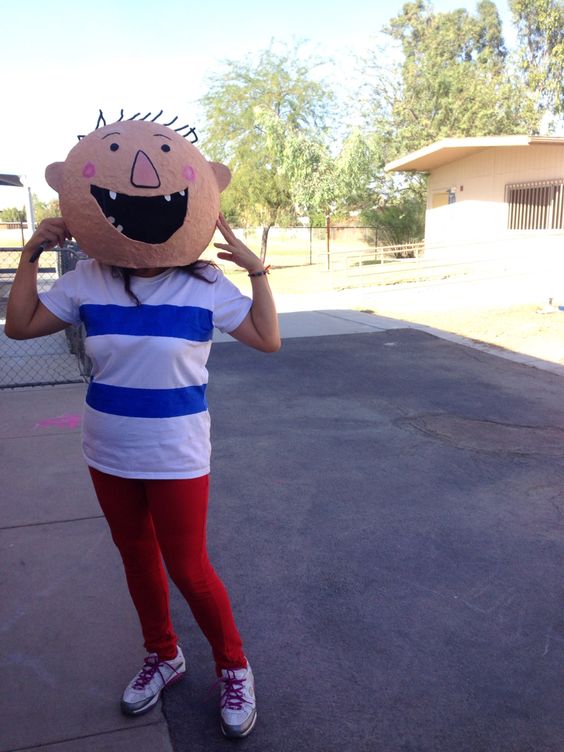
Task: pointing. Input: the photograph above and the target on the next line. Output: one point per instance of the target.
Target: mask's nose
(143, 172)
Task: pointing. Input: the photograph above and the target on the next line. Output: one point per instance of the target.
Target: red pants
(150, 517)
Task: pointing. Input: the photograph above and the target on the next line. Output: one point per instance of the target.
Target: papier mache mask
(139, 194)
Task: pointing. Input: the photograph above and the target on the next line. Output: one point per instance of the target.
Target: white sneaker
(144, 690)
(238, 704)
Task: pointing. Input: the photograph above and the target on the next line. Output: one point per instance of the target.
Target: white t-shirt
(146, 414)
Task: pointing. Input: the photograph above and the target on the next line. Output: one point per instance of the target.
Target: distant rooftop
(450, 149)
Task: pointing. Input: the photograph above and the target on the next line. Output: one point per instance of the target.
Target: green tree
(357, 178)
(321, 184)
(41, 210)
(540, 30)
(44, 209)
(453, 79)
(13, 214)
(248, 107)
(399, 214)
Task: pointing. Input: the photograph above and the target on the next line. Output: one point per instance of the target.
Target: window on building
(535, 206)
(438, 199)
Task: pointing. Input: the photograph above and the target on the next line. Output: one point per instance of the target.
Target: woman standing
(146, 434)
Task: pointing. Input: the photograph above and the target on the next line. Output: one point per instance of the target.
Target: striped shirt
(146, 414)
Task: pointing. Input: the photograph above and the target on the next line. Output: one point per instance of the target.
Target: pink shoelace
(150, 668)
(233, 695)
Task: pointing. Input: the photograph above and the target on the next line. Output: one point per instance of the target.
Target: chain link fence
(61, 358)
(56, 359)
(304, 245)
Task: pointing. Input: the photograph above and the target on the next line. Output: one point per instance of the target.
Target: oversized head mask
(138, 194)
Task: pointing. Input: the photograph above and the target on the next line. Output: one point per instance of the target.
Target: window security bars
(535, 206)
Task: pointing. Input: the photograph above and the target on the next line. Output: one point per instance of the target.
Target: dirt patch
(531, 328)
(527, 329)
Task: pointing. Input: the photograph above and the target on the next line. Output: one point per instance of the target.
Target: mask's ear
(54, 175)
(222, 174)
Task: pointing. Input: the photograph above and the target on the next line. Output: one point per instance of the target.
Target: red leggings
(150, 517)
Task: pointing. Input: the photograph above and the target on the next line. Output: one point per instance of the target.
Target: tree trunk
(263, 242)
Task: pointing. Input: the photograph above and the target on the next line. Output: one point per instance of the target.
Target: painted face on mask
(137, 194)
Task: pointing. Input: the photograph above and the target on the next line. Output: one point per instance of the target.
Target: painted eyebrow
(113, 133)
(162, 135)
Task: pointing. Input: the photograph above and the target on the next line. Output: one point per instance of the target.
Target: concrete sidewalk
(387, 515)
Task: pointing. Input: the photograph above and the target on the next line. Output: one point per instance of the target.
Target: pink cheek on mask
(189, 173)
(88, 171)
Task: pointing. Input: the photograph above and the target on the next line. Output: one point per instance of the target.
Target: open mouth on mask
(150, 219)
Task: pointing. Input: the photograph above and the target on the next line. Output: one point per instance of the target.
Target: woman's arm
(259, 329)
(26, 316)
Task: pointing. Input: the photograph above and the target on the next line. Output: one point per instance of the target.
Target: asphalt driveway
(388, 516)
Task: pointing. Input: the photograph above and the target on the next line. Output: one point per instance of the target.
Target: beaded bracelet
(260, 274)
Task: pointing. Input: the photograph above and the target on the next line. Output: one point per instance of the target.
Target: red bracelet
(260, 274)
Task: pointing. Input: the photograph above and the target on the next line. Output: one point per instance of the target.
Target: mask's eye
(114, 147)
(165, 147)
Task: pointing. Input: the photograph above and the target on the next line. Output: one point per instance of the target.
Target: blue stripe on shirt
(184, 322)
(146, 403)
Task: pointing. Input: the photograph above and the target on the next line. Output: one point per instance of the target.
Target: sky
(63, 60)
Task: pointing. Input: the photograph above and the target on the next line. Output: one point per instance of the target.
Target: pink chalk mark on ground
(60, 421)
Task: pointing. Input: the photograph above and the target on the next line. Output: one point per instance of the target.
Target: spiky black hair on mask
(191, 132)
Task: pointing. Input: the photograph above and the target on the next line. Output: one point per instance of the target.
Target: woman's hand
(235, 250)
(259, 329)
(26, 316)
(51, 232)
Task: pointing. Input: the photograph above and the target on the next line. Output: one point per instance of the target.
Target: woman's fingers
(225, 229)
(53, 231)
(234, 249)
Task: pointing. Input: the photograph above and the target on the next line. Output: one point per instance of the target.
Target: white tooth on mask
(167, 198)
(182, 193)
(113, 195)
(119, 228)
(111, 219)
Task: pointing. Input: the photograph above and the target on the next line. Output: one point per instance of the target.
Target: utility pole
(328, 234)
(29, 210)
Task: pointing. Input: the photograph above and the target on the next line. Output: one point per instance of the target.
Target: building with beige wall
(493, 193)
